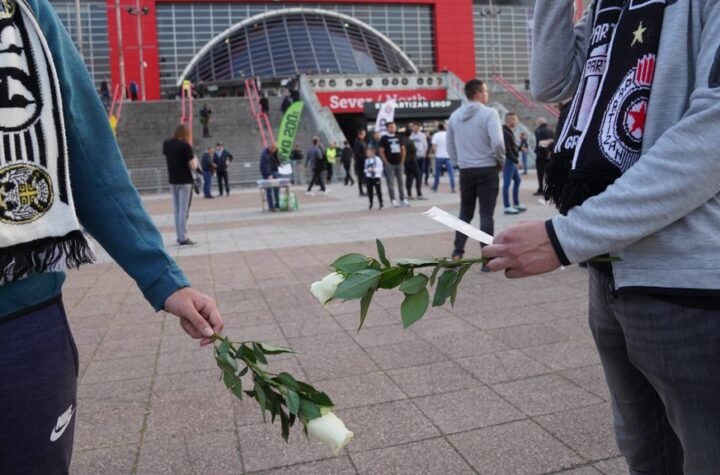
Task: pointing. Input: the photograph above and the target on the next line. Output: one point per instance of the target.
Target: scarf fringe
(45, 255)
(557, 177)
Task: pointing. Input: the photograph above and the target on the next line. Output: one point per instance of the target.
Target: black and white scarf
(601, 136)
(39, 231)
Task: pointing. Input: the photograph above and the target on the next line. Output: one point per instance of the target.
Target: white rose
(331, 431)
(325, 289)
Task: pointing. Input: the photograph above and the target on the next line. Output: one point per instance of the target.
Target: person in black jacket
(315, 157)
(412, 169)
(269, 165)
(360, 152)
(221, 160)
(346, 156)
(512, 163)
(544, 139)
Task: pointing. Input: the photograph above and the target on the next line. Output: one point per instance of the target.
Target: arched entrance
(292, 41)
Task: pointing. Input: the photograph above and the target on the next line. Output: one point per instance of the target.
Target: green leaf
(246, 353)
(393, 277)
(244, 371)
(321, 399)
(350, 263)
(414, 307)
(434, 274)
(226, 362)
(365, 306)
(259, 355)
(357, 285)
(259, 391)
(287, 380)
(285, 422)
(309, 410)
(381, 253)
(414, 284)
(444, 287)
(415, 262)
(274, 350)
(224, 347)
(237, 390)
(292, 400)
(461, 274)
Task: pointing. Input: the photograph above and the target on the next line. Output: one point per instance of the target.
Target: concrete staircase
(144, 127)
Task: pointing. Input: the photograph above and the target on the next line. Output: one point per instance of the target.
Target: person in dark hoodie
(475, 145)
(544, 138)
(269, 165)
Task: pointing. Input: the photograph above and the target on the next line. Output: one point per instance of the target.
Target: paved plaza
(507, 382)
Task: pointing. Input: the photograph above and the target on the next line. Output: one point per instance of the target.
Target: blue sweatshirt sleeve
(106, 202)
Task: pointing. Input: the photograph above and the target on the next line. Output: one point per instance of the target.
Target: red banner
(347, 102)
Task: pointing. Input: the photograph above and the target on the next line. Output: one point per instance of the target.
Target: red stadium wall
(454, 36)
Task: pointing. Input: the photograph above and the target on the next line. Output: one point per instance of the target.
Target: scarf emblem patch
(25, 193)
(623, 123)
(7, 9)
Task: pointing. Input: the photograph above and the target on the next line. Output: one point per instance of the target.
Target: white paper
(443, 217)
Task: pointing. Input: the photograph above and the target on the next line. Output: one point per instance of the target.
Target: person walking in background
(392, 151)
(373, 172)
(510, 169)
(412, 170)
(222, 159)
(208, 168)
(315, 159)
(360, 153)
(524, 150)
(296, 158)
(269, 166)
(347, 158)
(331, 154)
(181, 161)
(442, 158)
(205, 118)
(264, 104)
(421, 146)
(133, 90)
(544, 139)
(475, 143)
(105, 94)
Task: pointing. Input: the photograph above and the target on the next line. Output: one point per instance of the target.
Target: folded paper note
(443, 217)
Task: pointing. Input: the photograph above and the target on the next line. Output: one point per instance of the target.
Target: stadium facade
(159, 43)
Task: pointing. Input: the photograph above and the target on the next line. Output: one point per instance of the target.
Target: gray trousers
(181, 195)
(661, 362)
(397, 173)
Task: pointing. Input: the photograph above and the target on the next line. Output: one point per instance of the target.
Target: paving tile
(591, 378)
(188, 418)
(117, 426)
(200, 359)
(124, 348)
(616, 466)
(502, 366)
(565, 355)
(127, 394)
(545, 394)
(119, 369)
(336, 362)
(432, 379)
(107, 461)
(522, 336)
(518, 448)
(587, 470)
(192, 454)
(468, 409)
(469, 343)
(433, 456)
(406, 354)
(361, 390)
(574, 328)
(383, 335)
(589, 431)
(385, 425)
(263, 448)
(335, 466)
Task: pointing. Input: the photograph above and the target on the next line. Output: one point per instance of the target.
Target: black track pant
(38, 392)
(374, 186)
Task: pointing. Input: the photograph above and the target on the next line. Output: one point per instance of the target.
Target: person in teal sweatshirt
(60, 169)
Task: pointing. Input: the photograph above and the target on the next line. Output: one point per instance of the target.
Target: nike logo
(62, 423)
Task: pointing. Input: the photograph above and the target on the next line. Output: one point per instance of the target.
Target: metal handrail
(554, 111)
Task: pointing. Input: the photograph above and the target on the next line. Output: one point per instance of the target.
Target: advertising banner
(353, 102)
(288, 130)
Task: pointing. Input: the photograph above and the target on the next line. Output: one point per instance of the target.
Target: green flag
(288, 130)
